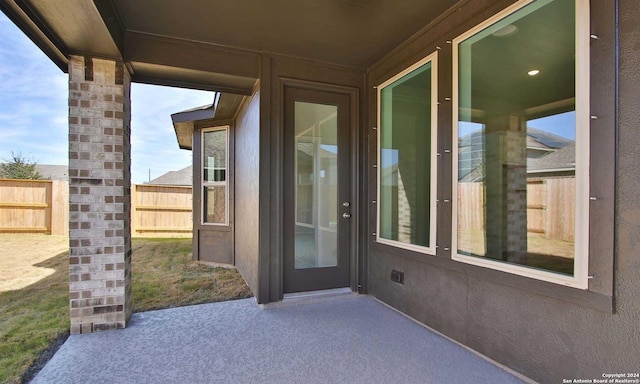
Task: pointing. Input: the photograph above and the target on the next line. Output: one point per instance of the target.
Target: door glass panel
(316, 200)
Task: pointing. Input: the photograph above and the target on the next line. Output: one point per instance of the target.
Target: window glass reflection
(516, 139)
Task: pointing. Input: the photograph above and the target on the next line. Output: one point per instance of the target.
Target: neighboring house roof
(564, 159)
(475, 176)
(532, 143)
(536, 138)
(308, 149)
(547, 139)
(559, 156)
(53, 172)
(181, 177)
(214, 149)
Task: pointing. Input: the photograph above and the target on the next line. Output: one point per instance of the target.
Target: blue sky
(34, 111)
(562, 124)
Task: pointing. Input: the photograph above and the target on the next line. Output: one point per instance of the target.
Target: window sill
(584, 298)
(521, 270)
(214, 227)
(409, 247)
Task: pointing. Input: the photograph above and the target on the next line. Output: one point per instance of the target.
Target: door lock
(346, 215)
(346, 204)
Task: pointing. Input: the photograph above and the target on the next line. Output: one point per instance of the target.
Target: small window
(521, 131)
(215, 189)
(407, 158)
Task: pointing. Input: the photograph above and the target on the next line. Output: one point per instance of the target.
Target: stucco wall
(627, 279)
(542, 330)
(247, 129)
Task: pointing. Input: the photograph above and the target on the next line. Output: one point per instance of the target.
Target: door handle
(346, 215)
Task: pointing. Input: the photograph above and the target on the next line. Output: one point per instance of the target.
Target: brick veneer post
(99, 194)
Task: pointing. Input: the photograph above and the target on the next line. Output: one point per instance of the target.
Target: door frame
(315, 278)
(356, 221)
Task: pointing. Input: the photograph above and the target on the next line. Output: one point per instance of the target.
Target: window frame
(431, 249)
(580, 277)
(205, 184)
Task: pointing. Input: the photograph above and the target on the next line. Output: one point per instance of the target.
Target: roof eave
(224, 108)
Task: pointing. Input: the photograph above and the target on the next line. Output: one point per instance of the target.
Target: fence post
(134, 209)
(59, 224)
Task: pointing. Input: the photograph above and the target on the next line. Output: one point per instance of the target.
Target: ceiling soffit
(171, 38)
(353, 33)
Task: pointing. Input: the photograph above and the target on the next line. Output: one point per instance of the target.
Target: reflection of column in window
(210, 205)
(210, 169)
(218, 204)
(407, 200)
(304, 189)
(404, 213)
(215, 203)
(506, 188)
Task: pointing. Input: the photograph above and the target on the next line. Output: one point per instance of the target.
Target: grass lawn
(35, 319)
(164, 276)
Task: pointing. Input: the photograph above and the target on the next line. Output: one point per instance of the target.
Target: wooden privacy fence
(42, 206)
(550, 207)
(34, 206)
(161, 211)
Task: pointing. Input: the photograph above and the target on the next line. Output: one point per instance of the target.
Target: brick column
(99, 194)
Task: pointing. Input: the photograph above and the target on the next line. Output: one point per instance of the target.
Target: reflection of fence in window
(215, 204)
(550, 216)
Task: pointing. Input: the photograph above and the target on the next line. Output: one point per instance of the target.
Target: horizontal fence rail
(550, 207)
(42, 206)
(34, 206)
(161, 211)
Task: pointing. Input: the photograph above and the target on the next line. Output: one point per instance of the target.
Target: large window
(214, 176)
(407, 158)
(521, 131)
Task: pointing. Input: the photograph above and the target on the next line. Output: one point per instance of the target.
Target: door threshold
(308, 297)
(317, 294)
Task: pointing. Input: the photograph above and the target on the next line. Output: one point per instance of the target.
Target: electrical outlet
(397, 276)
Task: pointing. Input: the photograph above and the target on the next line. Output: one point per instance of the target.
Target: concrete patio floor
(336, 339)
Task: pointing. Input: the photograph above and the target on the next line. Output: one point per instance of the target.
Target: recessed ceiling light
(533, 72)
(506, 31)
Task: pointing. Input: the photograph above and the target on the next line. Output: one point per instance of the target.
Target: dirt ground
(19, 255)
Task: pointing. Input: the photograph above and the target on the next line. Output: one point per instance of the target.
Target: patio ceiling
(216, 44)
